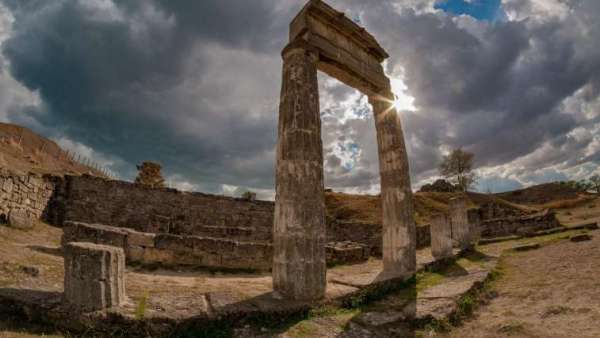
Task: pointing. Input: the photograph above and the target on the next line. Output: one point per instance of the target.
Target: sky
(195, 85)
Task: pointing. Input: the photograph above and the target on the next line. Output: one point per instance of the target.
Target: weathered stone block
(94, 233)
(169, 242)
(441, 237)
(346, 252)
(140, 238)
(461, 228)
(20, 219)
(94, 276)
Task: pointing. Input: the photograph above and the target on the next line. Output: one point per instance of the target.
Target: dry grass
(24, 151)
(367, 209)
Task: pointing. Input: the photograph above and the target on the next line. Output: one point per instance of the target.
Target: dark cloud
(170, 81)
(195, 85)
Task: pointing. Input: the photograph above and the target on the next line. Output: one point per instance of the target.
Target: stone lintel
(346, 51)
(318, 9)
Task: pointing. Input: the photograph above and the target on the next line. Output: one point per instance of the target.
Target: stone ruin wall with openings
(24, 197)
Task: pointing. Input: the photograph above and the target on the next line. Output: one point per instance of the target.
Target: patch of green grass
(552, 238)
(140, 309)
(428, 279)
(512, 328)
(438, 325)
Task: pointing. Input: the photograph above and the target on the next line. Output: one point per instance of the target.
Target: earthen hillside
(22, 150)
(365, 208)
(543, 194)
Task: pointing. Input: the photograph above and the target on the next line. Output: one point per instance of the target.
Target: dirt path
(550, 292)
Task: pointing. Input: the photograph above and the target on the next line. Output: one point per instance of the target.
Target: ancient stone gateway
(322, 38)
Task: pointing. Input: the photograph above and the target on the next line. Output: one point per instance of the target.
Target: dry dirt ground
(550, 292)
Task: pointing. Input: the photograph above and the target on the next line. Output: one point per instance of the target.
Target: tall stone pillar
(461, 229)
(299, 267)
(399, 232)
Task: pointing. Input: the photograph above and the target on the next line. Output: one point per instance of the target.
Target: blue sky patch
(488, 10)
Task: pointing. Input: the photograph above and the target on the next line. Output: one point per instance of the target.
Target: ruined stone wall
(369, 234)
(175, 250)
(94, 200)
(522, 225)
(24, 197)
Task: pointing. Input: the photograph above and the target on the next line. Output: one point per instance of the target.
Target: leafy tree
(595, 183)
(581, 186)
(457, 167)
(149, 175)
(249, 195)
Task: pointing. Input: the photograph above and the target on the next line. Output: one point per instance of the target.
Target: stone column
(461, 230)
(299, 268)
(474, 218)
(94, 276)
(441, 237)
(399, 232)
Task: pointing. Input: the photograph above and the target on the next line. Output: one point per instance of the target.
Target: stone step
(233, 233)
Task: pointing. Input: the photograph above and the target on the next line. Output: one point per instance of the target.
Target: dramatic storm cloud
(195, 85)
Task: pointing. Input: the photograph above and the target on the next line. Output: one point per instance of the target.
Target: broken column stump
(461, 228)
(94, 276)
(441, 237)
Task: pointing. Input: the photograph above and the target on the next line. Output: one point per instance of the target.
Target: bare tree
(457, 167)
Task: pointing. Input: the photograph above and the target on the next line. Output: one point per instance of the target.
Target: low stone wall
(24, 198)
(122, 204)
(167, 249)
(173, 250)
(519, 225)
(369, 234)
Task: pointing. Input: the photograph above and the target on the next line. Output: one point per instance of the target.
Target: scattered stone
(94, 276)
(527, 247)
(593, 226)
(581, 238)
(346, 252)
(375, 319)
(30, 270)
(19, 219)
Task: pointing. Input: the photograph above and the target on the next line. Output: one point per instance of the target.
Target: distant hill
(365, 208)
(22, 150)
(541, 194)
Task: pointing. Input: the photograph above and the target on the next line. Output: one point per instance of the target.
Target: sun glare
(402, 101)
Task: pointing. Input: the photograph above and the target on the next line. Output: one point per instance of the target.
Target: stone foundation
(95, 200)
(175, 250)
(346, 253)
(94, 276)
(521, 225)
